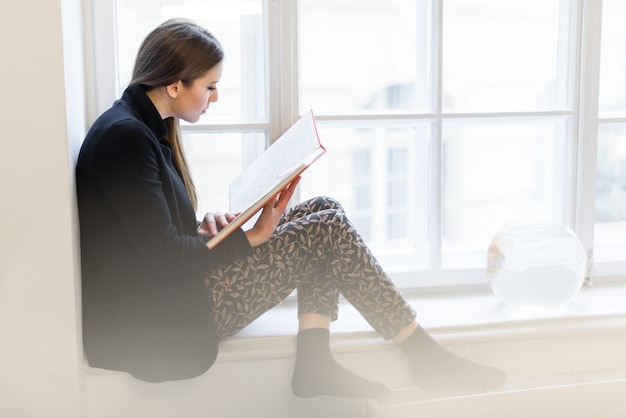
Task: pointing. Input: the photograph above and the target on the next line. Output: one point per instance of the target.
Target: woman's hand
(214, 222)
(270, 215)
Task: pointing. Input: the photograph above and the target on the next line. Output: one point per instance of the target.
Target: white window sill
(451, 317)
(589, 335)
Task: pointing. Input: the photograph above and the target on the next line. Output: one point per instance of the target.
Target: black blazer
(146, 309)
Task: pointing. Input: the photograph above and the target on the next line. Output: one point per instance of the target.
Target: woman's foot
(317, 373)
(435, 367)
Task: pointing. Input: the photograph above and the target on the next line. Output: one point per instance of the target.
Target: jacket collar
(136, 97)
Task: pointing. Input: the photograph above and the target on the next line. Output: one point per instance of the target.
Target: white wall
(40, 357)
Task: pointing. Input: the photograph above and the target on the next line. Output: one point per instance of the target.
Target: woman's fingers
(213, 222)
(287, 193)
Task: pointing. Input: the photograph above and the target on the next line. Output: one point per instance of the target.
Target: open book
(268, 175)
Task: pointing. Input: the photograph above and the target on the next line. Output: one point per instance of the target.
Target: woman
(156, 301)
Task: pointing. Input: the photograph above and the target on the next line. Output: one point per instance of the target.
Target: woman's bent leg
(249, 287)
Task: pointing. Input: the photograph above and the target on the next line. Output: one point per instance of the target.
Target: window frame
(283, 105)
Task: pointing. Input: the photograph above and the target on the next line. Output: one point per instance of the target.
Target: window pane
(504, 55)
(613, 62)
(610, 227)
(397, 193)
(496, 173)
(380, 174)
(364, 55)
(215, 160)
(237, 24)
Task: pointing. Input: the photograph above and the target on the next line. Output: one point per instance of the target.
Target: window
(443, 119)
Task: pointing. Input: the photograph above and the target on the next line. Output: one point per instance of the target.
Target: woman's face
(193, 101)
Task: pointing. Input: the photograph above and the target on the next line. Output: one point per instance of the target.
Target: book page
(278, 166)
(298, 145)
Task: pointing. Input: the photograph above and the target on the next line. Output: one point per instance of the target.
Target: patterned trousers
(316, 250)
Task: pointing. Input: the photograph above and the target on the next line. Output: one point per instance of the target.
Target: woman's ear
(173, 89)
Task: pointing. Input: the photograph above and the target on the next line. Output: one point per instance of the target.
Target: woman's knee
(325, 203)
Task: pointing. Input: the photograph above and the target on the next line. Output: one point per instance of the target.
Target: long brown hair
(178, 49)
